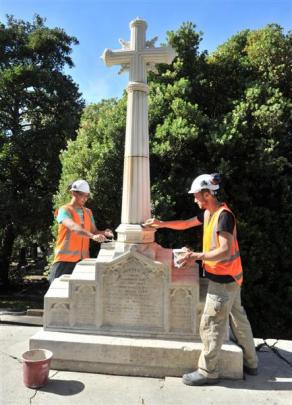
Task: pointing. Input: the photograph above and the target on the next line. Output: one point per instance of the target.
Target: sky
(98, 24)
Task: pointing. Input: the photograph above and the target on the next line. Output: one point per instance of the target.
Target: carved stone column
(138, 56)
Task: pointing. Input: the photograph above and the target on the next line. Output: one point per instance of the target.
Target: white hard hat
(80, 185)
(205, 181)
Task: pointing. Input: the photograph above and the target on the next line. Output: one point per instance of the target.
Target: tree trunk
(22, 257)
(34, 251)
(5, 253)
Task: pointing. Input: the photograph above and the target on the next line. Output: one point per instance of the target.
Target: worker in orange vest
(222, 266)
(76, 228)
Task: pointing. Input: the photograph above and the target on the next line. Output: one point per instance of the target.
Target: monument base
(129, 312)
(131, 356)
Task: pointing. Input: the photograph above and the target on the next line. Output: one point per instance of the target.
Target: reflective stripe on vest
(232, 265)
(239, 276)
(71, 247)
(66, 249)
(231, 258)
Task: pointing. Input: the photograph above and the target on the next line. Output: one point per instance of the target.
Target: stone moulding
(137, 86)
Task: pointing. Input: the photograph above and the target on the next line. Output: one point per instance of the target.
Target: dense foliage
(229, 112)
(97, 156)
(235, 117)
(40, 110)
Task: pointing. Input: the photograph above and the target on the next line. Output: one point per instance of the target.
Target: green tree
(180, 127)
(40, 109)
(234, 116)
(252, 147)
(99, 147)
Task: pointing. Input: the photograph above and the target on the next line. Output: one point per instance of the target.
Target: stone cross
(137, 56)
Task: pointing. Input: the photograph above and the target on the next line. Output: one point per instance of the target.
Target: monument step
(131, 356)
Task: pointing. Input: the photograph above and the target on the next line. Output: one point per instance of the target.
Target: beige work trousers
(223, 303)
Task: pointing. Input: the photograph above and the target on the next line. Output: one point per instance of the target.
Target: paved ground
(272, 386)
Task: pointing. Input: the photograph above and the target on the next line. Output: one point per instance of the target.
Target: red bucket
(36, 367)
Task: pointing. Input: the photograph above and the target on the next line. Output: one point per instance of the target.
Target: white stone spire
(137, 56)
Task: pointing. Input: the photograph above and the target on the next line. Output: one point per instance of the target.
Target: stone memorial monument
(130, 311)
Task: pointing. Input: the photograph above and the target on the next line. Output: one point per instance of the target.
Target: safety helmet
(80, 185)
(206, 181)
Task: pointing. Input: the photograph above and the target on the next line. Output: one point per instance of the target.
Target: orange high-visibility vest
(71, 247)
(231, 266)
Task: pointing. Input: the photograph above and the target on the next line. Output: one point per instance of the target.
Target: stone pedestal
(126, 294)
(130, 313)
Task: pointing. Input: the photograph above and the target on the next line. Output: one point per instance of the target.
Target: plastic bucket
(36, 367)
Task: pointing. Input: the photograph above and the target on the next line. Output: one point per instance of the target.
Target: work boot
(196, 378)
(250, 370)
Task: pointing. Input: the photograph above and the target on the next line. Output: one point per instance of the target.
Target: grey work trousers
(60, 268)
(223, 303)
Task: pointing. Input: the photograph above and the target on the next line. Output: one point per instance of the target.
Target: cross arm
(165, 54)
(118, 57)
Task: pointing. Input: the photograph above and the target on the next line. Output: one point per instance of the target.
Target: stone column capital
(138, 86)
(138, 22)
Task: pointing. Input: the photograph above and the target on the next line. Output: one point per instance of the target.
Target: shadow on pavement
(259, 384)
(63, 387)
(275, 374)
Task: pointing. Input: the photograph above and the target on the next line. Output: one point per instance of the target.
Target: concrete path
(272, 386)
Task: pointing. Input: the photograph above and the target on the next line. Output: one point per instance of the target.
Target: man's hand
(153, 223)
(109, 233)
(184, 257)
(189, 257)
(99, 238)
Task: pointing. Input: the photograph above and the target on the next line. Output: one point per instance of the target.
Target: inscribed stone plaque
(133, 295)
(181, 318)
(84, 305)
(59, 314)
